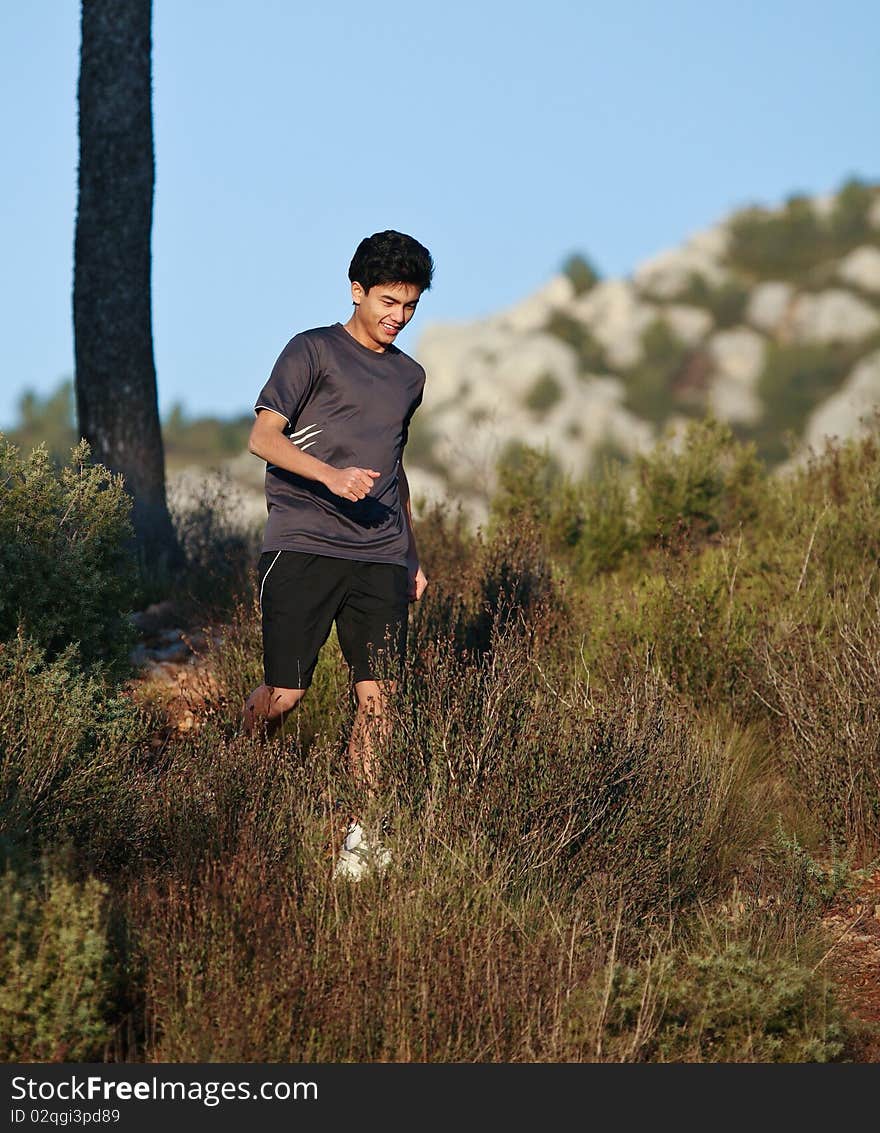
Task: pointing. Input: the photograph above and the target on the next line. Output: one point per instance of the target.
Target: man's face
(383, 311)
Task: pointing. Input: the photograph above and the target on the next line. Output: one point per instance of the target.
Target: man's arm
(417, 579)
(267, 440)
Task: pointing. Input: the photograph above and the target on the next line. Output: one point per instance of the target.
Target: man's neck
(359, 335)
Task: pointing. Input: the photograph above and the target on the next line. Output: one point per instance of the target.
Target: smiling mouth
(390, 327)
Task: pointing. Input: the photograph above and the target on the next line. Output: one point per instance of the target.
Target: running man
(331, 424)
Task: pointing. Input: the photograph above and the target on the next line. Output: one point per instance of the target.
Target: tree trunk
(116, 395)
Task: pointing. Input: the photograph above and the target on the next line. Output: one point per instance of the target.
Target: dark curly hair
(391, 257)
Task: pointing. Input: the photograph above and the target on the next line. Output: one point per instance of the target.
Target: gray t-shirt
(347, 405)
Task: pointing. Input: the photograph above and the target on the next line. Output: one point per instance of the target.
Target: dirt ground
(853, 961)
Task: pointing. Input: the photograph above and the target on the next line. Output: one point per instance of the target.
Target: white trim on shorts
(263, 583)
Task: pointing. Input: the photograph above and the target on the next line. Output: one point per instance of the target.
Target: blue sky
(502, 135)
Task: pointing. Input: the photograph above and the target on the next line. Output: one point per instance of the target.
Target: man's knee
(373, 696)
(268, 705)
(281, 700)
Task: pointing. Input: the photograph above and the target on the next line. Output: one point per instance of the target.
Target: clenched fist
(351, 483)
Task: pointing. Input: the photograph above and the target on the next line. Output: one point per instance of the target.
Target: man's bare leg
(267, 707)
(371, 724)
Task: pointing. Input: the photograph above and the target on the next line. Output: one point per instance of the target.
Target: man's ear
(357, 293)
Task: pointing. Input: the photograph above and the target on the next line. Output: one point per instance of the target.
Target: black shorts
(301, 595)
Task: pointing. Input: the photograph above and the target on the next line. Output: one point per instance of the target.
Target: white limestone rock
(456, 355)
(713, 242)
(526, 360)
(848, 412)
(734, 403)
(617, 318)
(503, 376)
(533, 312)
(738, 354)
(861, 268)
(690, 325)
(834, 315)
(737, 361)
(482, 360)
(768, 305)
(591, 415)
(425, 488)
(823, 205)
(667, 275)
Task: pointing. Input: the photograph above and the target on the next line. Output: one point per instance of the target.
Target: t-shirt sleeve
(417, 401)
(292, 379)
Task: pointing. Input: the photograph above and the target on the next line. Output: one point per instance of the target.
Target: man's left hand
(417, 584)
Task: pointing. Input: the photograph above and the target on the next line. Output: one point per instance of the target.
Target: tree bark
(116, 395)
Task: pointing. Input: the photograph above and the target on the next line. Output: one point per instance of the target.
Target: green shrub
(794, 242)
(67, 572)
(55, 971)
(686, 619)
(821, 682)
(650, 383)
(849, 221)
(581, 272)
(67, 766)
(576, 334)
(533, 497)
(544, 393)
(609, 531)
(840, 494)
(783, 244)
(700, 484)
(682, 492)
(726, 302)
(802, 886)
(795, 379)
(820, 533)
(527, 482)
(725, 997)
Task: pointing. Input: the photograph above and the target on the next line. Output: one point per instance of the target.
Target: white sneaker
(358, 855)
(380, 856)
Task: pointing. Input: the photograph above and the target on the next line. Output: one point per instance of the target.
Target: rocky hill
(770, 321)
